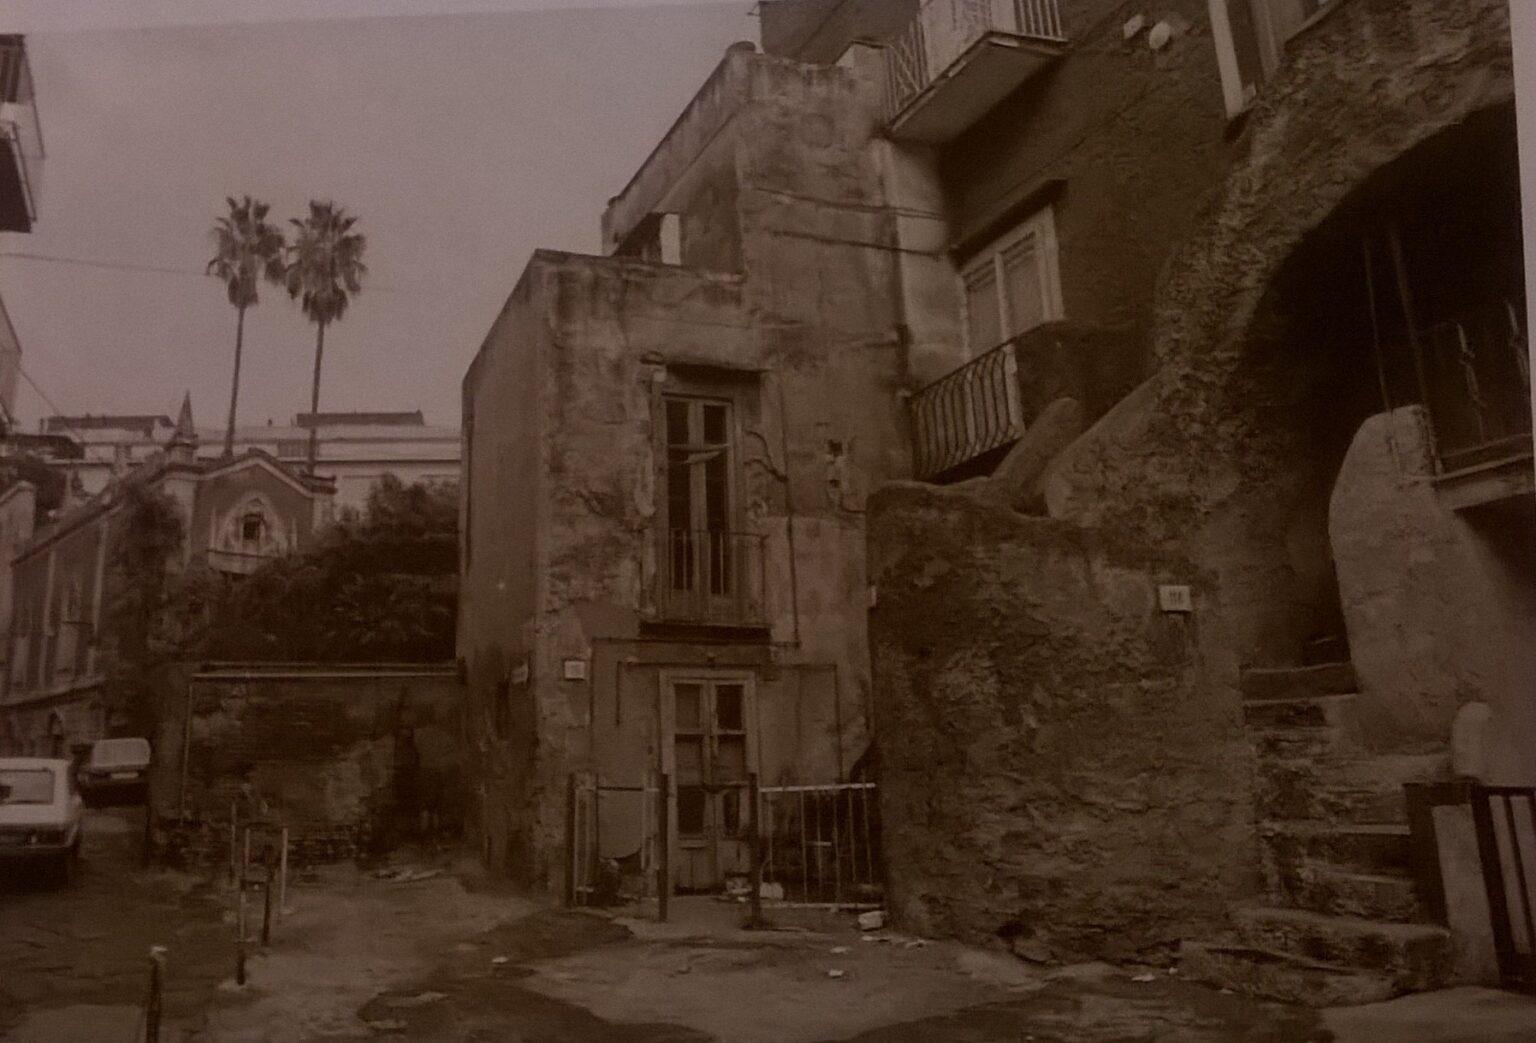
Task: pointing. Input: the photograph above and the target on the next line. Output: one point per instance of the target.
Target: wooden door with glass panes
(708, 756)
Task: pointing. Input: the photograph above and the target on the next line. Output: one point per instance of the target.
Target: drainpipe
(789, 513)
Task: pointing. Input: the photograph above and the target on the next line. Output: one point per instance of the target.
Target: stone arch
(1207, 454)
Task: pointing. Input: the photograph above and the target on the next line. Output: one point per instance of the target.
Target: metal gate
(611, 838)
(820, 845)
(1505, 820)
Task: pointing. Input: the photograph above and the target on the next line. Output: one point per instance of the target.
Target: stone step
(1360, 790)
(1416, 956)
(1335, 740)
(1377, 849)
(1298, 682)
(1323, 888)
(1321, 651)
(1281, 976)
(1317, 711)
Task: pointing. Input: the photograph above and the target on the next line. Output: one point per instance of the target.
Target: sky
(463, 142)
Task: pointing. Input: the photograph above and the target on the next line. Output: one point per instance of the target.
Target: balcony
(959, 58)
(21, 139)
(1476, 388)
(966, 414)
(712, 578)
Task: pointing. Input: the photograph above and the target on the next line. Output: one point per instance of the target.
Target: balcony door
(1011, 287)
(702, 556)
(708, 754)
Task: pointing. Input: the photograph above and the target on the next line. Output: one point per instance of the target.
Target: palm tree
(323, 270)
(246, 246)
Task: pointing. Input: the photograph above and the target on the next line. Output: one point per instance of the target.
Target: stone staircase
(1339, 922)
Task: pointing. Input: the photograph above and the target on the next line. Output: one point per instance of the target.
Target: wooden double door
(708, 753)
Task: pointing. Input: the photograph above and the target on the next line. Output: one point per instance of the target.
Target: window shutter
(1024, 286)
(983, 323)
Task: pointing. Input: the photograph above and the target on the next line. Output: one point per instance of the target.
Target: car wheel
(68, 867)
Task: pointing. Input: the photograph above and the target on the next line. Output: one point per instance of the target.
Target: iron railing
(712, 576)
(1477, 387)
(821, 845)
(945, 29)
(965, 413)
(1504, 818)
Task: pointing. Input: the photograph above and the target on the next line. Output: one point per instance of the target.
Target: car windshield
(26, 785)
(109, 753)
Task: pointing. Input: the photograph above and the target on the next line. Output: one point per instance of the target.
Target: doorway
(709, 753)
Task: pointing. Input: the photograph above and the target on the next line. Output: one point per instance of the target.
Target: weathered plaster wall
(1058, 763)
(317, 749)
(1215, 454)
(1438, 616)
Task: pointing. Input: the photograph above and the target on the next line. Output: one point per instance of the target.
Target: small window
(1013, 285)
(690, 810)
(252, 526)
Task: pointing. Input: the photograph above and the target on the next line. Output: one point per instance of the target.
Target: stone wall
(1217, 453)
(1439, 613)
(1057, 767)
(347, 758)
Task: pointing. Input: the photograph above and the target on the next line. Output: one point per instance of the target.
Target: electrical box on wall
(1175, 598)
(519, 673)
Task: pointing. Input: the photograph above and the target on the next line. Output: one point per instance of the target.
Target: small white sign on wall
(574, 670)
(1175, 598)
(520, 673)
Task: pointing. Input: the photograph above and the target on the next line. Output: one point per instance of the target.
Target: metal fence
(966, 413)
(1477, 386)
(821, 845)
(1505, 821)
(815, 845)
(594, 878)
(945, 29)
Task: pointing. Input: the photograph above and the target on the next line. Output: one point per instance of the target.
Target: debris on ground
(835, 973)
(873, 920)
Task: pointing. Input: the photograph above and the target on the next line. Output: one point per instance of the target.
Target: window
(1250, 42)
(252, 525)
(1013, 285)
(698, 434)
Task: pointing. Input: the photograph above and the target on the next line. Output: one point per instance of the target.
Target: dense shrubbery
(380, 586)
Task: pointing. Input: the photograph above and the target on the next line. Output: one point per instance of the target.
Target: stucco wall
(1056, 763)
(1439, 614)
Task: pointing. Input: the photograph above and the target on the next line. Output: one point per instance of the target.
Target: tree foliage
(379, 586)
(146, 616)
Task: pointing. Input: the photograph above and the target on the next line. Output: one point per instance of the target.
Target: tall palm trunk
(314, 400)
(234, 385)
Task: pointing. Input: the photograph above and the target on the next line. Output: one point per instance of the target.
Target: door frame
(667, 759)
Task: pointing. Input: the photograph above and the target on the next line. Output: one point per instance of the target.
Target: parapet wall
(1057, 767)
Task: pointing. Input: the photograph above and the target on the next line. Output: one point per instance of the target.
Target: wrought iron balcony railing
(966, 413)
(1477, 387)
(711, 576)
(944, 36)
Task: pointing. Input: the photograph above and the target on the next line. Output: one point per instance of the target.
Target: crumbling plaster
(1058, 766)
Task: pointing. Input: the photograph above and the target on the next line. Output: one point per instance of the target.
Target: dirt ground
(446, 955)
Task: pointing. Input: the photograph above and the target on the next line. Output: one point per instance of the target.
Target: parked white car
(116, 767)
(40, 813)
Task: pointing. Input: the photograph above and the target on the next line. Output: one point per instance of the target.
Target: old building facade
(236, 513)
(823, 278)
(1215, 671)
(1202, 328)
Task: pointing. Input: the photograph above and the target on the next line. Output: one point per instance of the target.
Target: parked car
(115, 768)
(40, 812)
